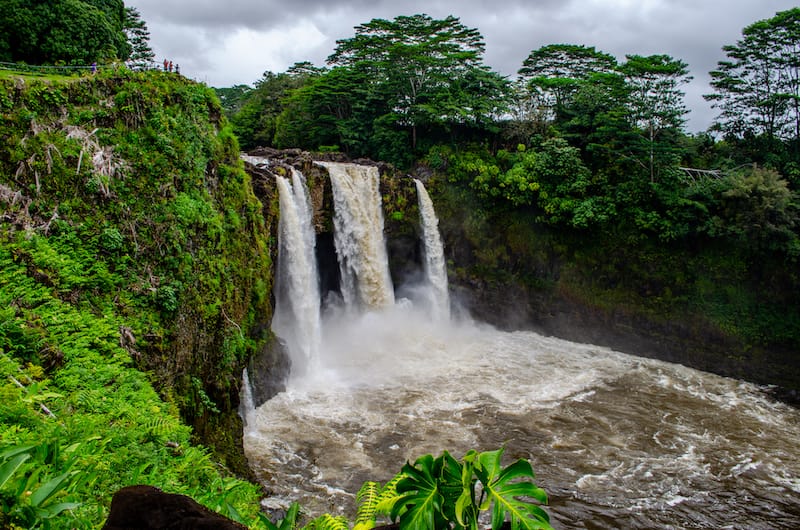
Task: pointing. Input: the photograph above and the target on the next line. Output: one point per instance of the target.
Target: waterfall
(297, 306)
(435, 267)
(358, 236)
(246, 403)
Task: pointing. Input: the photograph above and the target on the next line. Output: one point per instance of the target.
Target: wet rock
(149, 508)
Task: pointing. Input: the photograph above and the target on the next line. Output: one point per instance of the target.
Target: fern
(88, 399)
(367, 499)
(374, 500)
(328, 522)
(388, 494)
(158, 425)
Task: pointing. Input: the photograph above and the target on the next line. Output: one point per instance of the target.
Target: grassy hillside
(134, 285)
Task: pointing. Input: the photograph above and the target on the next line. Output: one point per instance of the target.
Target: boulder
(149, 508)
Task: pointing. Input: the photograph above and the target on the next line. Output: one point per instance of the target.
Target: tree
(757, 208)
(330, 109)
(254, 111)
(757, 90)
(414, 61)
(655, 101)
(553, 73)
(138, 38)
(69, 31)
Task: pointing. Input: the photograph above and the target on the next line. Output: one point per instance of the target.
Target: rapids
(616, 440)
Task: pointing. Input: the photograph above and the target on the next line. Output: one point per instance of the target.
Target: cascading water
(434, 265)
(358, 236)
(616, 440)
(297, 307)
(246, 402)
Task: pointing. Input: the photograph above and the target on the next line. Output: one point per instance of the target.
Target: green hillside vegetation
(135, 284)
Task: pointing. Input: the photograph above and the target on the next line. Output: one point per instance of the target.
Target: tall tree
(757, 89)
(415, 60)
(138, 38)
(656, 100)
(552, 74)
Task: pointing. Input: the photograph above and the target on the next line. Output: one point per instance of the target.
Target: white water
(258, 161)
(617, 441)
(434, 264)
(246, 402)
(358, 236)
(297, 307)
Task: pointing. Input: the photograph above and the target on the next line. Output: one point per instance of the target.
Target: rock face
(149, 508)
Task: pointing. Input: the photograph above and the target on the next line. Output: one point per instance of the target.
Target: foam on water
(605, 431)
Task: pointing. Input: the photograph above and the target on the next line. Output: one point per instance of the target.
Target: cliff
(135, 287)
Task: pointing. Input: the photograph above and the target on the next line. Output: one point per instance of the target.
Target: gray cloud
(235, 41)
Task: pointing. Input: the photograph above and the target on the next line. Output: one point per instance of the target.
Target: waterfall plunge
(358, 235)
(297, 306)
(366, 285)
(435, 267)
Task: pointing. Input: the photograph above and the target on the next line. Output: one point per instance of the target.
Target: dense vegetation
(581, 154)
(72, 32)
(130, 244)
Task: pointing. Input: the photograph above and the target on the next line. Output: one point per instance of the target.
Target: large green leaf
(419, 504)
(50, 488)
(503, 494)
(466, 507)
(10, 467)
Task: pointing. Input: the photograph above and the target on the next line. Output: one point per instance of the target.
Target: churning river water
(616, 440)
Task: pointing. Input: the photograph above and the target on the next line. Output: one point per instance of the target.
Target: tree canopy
(430, 71)
(63, 31)
(757, 89)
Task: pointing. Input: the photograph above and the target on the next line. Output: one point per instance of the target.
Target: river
(616, 440)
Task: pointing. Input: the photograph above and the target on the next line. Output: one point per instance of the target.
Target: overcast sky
(229, 42)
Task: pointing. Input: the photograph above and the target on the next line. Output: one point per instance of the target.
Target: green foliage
(68, 31)
(755, 88)
(128, 227)
(445, 493)
(439, 493)
(254, 111)
(757, 208)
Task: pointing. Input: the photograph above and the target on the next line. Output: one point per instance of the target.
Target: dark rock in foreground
(149, 508)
